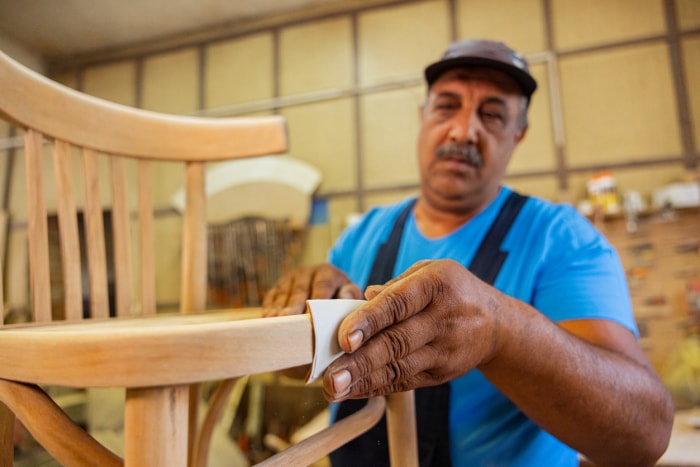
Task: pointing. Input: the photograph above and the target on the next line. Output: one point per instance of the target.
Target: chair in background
(159, 358)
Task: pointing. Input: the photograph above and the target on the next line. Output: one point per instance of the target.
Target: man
(539, 366)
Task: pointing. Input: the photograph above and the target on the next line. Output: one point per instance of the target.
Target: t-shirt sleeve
(582, 276)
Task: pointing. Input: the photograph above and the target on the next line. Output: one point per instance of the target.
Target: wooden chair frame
(158, 358)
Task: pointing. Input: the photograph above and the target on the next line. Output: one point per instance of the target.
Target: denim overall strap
(432, 403)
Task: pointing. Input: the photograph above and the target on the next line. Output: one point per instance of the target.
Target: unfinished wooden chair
(158, 358)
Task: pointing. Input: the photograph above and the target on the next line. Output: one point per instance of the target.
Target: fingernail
(341, 381)
(355, 340)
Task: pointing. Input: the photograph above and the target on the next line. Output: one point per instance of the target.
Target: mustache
(467, 152)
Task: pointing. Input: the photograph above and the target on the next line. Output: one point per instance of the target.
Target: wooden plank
(68, 230)
(146, 240)
(95, 238)
(121, 239)
(37, 229)
(117, 129)
(194, 242)
(155, 427)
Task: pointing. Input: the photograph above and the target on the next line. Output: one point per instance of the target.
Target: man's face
(470, 124)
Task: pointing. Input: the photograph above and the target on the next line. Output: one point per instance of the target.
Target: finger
(289, 295)
(327, 282)
(395, 303)
(273, 301)
(321, 282)
(395, 344)
(298, 292)
(281, 291)
(415, 267)
(373, 290)
(349, 292)
(414, 371)
(273, 296)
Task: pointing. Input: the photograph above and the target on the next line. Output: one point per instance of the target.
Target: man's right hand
(288, 296)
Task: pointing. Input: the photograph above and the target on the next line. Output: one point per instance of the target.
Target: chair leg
(155, 426)
(401, 426)
(192, 423)
(7, 432)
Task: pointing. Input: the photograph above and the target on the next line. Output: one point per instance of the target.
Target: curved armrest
(53, 429)
(315, 447)
(155, 351)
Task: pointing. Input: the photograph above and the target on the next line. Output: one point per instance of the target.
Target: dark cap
(484, 53)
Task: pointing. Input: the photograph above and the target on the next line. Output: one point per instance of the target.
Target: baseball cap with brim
(484, 53)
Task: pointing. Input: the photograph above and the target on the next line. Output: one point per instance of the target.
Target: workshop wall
(618, 91)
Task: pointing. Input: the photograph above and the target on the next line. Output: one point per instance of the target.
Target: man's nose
(464, 128)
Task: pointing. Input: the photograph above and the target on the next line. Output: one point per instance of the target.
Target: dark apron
(432, 403)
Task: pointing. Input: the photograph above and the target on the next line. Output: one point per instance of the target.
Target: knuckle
(395, 373)
(362, 364)
(321, 284)
(362, 387)
(397, 305)
(396, 342)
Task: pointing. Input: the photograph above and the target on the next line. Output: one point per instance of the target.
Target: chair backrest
(79, 139)
(66, 125)
(85, 156)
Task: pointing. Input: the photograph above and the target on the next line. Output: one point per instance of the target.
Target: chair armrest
(154, 351)
(315, 447)
(52, 428)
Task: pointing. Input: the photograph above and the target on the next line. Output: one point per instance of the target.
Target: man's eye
(491, 116)
(445, 106)
(492, 120)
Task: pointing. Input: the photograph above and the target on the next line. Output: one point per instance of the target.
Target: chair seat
(139, 352)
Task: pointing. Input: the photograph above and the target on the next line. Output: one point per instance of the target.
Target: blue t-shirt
(557, 262)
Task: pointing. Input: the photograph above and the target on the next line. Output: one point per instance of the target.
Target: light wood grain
(117, 129)
(3, 255)
(147, 270)
(401, 427)
(315, 447)
(109, 354)
(121, 238)
(40, 280)
(68, 228)
(217, 403)
(7, 429)
(95, 237)
(53, 429)
(160, 359)
(155, 426)
(194, 248)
